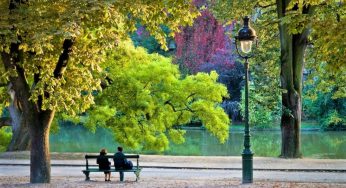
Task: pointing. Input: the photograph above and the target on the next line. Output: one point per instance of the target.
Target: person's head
(120, 148)
(103, 151)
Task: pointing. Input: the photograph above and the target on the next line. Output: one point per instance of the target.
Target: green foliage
(261, 114)
(323, 79)
(265, 92)
(329, 111)
(2, 98)
(334, 120)
(5, 138)
(40, 28)
(5, 132)
(147, 100)
(325, 56)
(321, 15)
(142, 38)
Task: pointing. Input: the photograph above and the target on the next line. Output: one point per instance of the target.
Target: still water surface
(315, 144)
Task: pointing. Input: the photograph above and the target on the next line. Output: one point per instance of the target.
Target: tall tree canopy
(51, 53)
(297, 24)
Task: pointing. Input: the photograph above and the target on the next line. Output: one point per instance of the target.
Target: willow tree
(298, 23)
(51, 53)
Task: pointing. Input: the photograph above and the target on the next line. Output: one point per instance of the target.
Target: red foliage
(202, 43)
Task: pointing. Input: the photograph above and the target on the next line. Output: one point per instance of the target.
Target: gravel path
(18, 176)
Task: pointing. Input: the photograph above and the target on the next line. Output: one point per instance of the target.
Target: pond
(315, 144)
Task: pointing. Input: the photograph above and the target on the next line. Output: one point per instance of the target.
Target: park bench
(95, 168)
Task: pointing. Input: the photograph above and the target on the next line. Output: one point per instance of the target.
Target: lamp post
(246, 37)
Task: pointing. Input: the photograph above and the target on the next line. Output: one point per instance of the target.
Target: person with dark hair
(104, 164)
(120, 162)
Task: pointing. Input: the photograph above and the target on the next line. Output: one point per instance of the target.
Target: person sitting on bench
(104, 164)
(120, 161)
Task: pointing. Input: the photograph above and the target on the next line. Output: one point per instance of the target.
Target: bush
(333, 120)
(330, 112)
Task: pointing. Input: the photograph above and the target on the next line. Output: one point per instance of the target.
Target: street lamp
(246, 37)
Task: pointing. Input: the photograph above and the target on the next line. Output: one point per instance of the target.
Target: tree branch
(3, 84)
(37, 76)
(179, 110)
(5, 121)
(264, 6)
(59, 68)
(191, 95)
(188, 108)
(19, 83)
(105, 83)
(63, 58)
(177, 120)
(170, 104)
(15, 3)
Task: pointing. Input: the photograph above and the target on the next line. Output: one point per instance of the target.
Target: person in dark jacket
(120, 162)
(104, 164)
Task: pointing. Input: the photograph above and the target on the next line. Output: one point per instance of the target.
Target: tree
(295, 20)
(144, 109)
(51, 53)
(197, 44)
(206, 46)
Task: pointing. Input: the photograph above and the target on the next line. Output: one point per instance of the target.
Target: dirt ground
(71, 182)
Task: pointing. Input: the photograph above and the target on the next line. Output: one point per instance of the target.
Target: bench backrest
(109, 157)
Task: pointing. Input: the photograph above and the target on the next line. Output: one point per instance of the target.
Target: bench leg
(121, 176)
(137, 174)
(87, 178)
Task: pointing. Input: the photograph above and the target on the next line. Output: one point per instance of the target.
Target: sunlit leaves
(40, 28)
(156, 13)
(152, 100)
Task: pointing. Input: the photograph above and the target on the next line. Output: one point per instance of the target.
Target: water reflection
(199, 142)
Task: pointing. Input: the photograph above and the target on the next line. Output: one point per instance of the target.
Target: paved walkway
(222, 163)
(186, 167)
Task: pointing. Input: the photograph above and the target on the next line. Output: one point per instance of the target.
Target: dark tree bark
(39, 126)
(20, 140)
(292, 65)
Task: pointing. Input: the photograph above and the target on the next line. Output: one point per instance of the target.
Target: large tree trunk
(292, 64)
(37, 120)
(39, 126)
